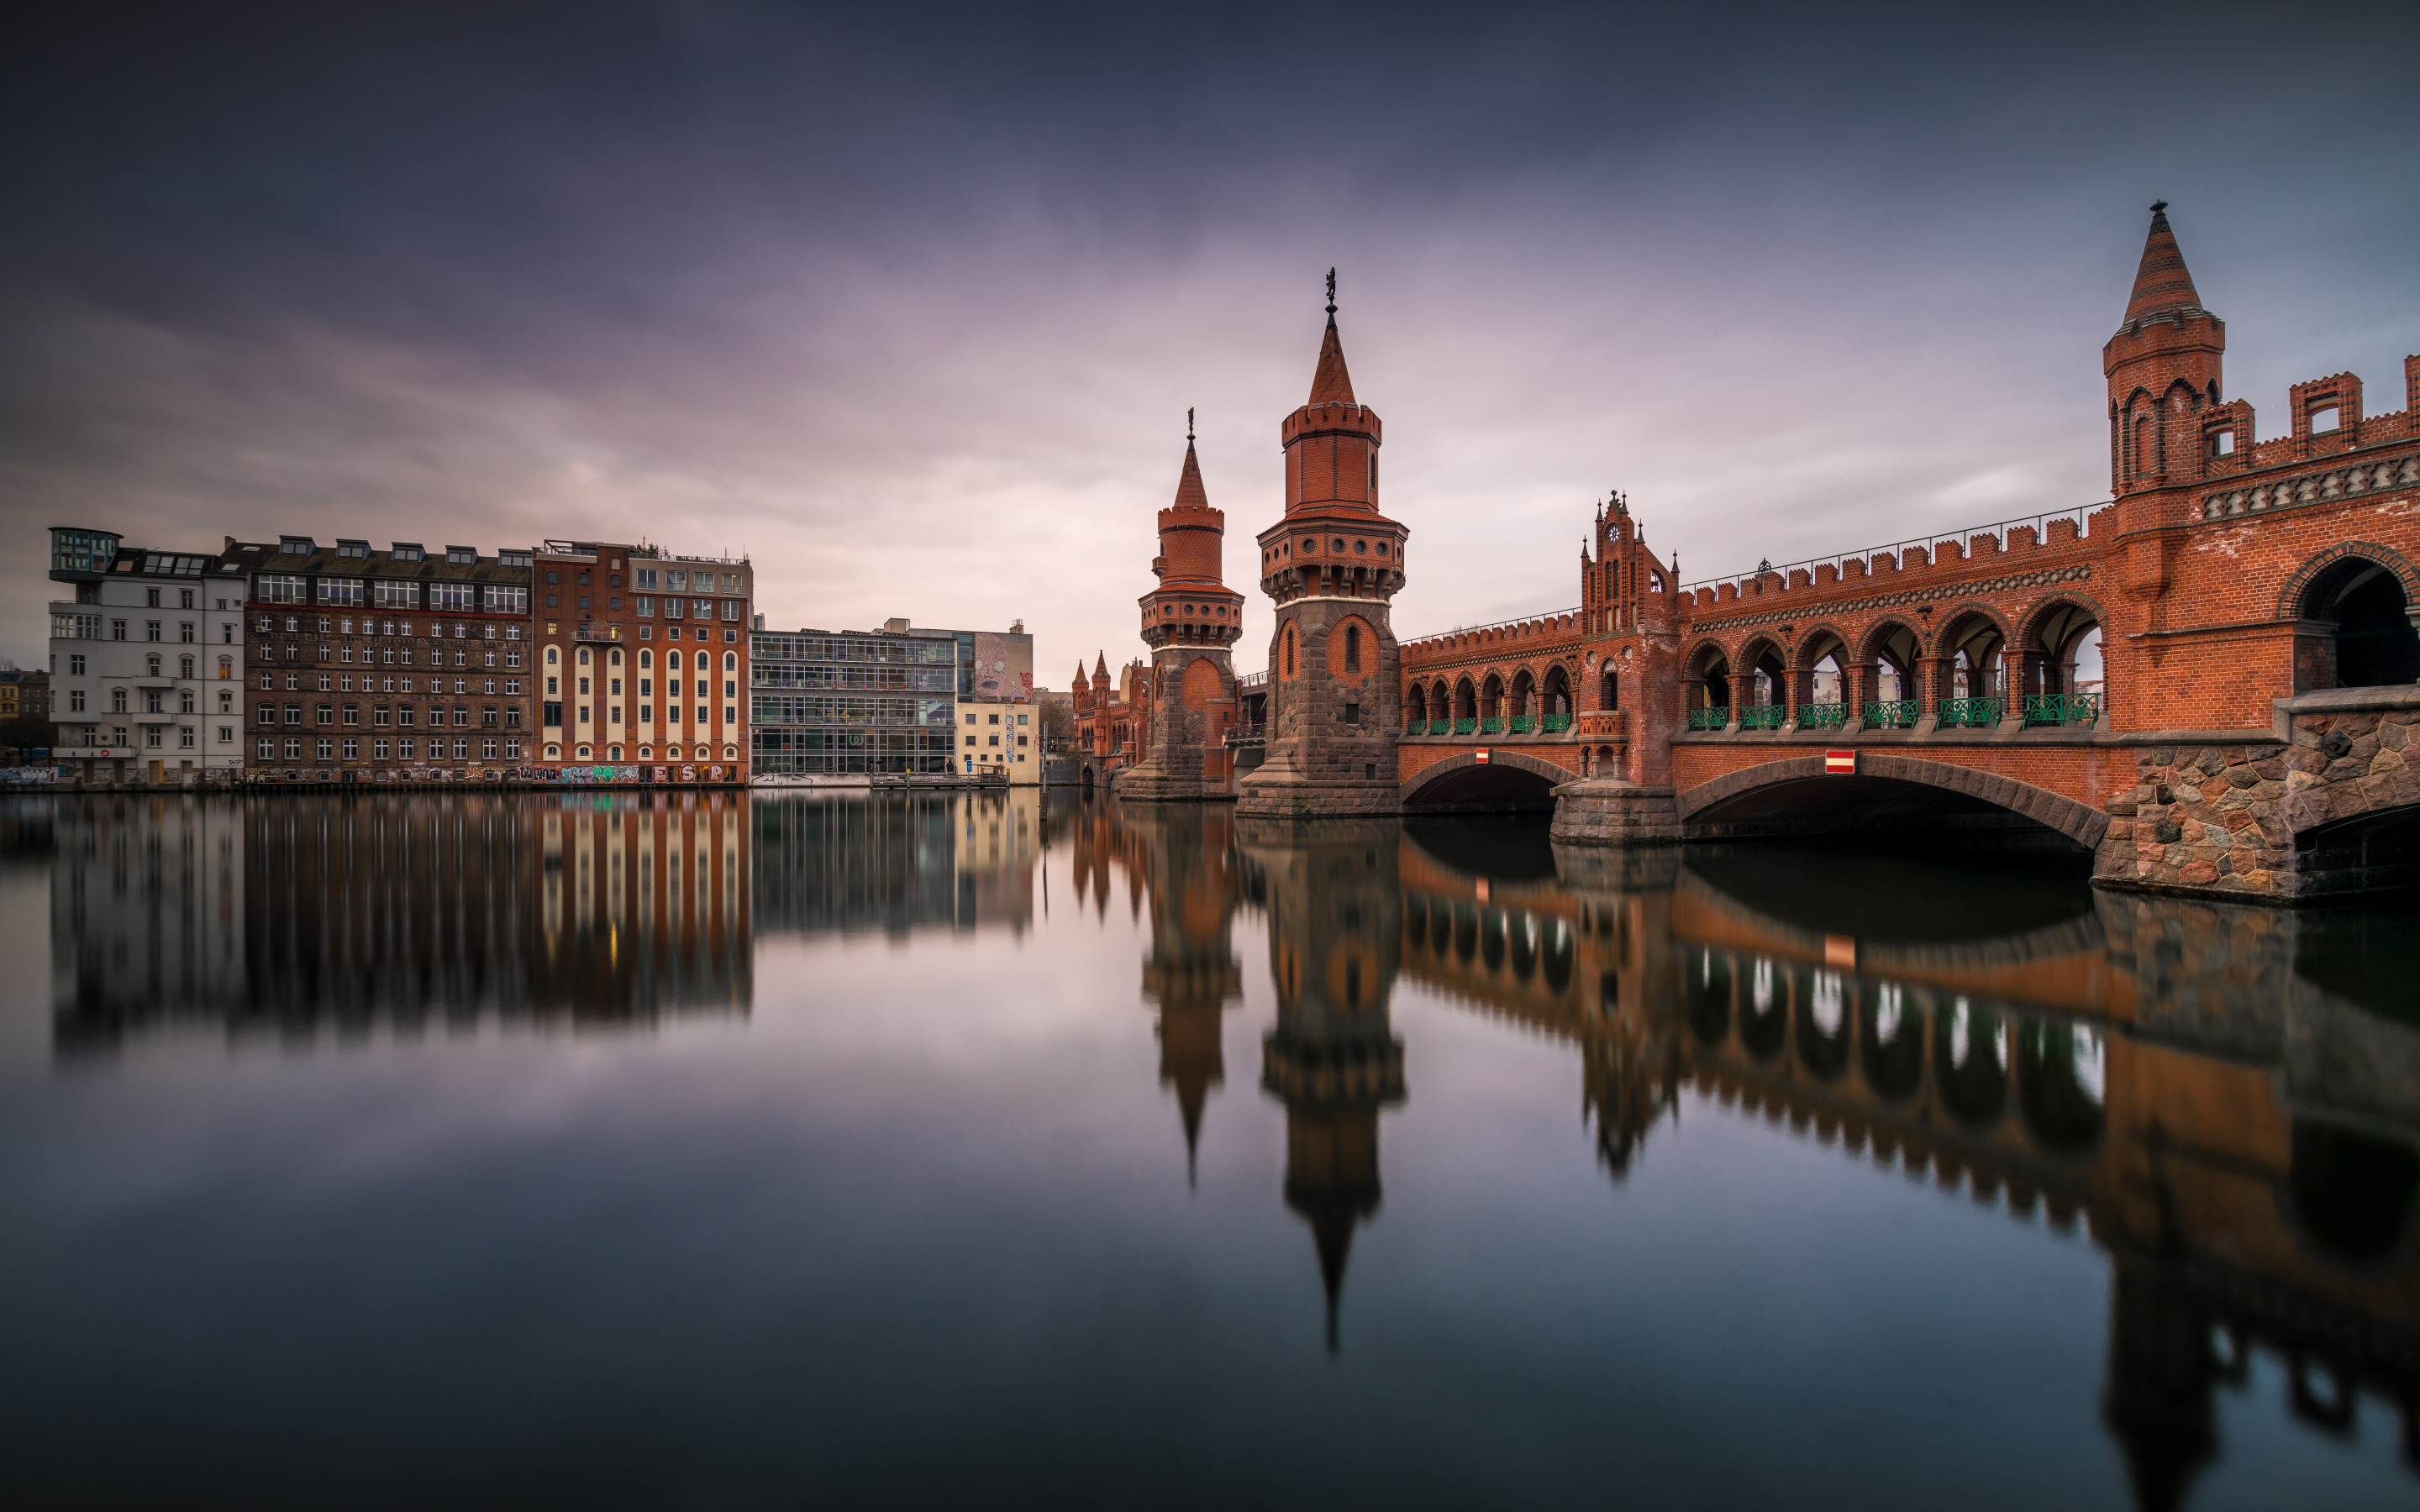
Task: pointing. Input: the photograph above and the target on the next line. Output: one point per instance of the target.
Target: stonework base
(1151, 783)
(2237, 820)
(1609, 812)
(1280, 790)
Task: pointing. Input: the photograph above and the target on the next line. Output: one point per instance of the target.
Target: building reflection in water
(297, 915)
(848, 863)
(293, 916)
(2227, 1098)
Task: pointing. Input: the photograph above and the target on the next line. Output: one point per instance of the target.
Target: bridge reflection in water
(2228, 1100)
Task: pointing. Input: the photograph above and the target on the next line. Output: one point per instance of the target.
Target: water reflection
(2224, 1101)
(2237, 1136)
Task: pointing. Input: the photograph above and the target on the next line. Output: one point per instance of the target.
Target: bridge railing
(2082, 514)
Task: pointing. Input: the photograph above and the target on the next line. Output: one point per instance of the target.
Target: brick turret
(1332, 564)
(2164, 366)
(1189, 621)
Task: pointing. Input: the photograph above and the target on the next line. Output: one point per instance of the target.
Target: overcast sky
(909, 305)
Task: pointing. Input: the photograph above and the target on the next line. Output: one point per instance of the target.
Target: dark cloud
(909, 302)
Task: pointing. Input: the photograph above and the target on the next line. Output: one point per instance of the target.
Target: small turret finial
(1331, 293)
(2158, 205)
(1188, 425)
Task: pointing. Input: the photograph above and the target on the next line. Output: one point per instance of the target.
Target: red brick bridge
(2207, 681)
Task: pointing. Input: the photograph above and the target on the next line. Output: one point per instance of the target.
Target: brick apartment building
(644, 661)
(401, 665)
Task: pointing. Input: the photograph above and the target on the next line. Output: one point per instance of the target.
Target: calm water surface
(438, 1150)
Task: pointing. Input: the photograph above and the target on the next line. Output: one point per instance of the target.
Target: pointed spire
(1189, 492)
(2162, 285)
(1331, 384)
(1100, 665)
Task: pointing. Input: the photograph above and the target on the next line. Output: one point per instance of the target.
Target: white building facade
(146, 661)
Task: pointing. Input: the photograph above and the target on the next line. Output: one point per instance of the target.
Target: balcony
(1465, 727)
(1247, 734)
(2062, 709)
(599, 633)
(1762, 715)
(1891, 713)
(1556, 724)
(1491, 726)
(1521, 724)
(1971, 714)
(1823, 715)
(1713, 717)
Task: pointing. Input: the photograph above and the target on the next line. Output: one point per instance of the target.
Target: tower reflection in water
(2227, 1098)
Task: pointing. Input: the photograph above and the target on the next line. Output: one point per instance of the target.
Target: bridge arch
(1773, 789)
(1507, 780)
(2357, 599)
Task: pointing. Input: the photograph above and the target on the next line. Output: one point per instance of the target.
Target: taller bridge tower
(1332, 566)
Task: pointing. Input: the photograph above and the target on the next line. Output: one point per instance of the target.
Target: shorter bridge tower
(1189, 621)
(1332, 565)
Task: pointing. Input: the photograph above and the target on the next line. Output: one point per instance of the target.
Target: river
(709, 1150)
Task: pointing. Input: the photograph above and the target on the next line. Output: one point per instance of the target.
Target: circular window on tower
(1361, 548)
(1339, 546)
(1309, 544)
(1382, 548)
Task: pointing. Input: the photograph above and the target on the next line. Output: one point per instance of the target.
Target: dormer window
(2222, 443)
(352, 549)
(2326, 419)
(407, 552)
(512, 558)
(462, 556)
(295, 545)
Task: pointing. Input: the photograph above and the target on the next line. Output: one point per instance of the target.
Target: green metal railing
(2063, 708)
(1464, 727)
(1713, 717)
(1557, 723)
(1971, 713)
(1521, 724)
(1762, 715)
(1891, 713)
(1490, 726)
(1823, 715)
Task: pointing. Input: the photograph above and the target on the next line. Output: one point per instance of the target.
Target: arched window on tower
(1352, 648)
(1289, 650)
(1612, 688)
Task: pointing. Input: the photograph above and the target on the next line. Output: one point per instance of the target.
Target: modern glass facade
(829, 704)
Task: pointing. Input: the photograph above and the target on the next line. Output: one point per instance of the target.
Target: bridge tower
(1189, 621)
(2164, 368)
(1332, 566)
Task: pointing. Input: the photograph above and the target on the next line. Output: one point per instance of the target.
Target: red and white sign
(1481, 755)
(1839, 763)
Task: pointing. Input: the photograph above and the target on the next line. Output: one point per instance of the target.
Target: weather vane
(1332, 291)
(1188, 425)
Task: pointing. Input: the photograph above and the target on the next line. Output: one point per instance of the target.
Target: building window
(185, 737)
(265, 748)
(352, 750)
(293, 749)
(377, 750)
(226, 734)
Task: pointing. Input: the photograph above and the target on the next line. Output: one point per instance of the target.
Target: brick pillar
(1856, 686)
(1933, 675)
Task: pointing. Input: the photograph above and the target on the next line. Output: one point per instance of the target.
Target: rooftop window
(352, 549)
(462, 556)
(407, 552)
(295, 545)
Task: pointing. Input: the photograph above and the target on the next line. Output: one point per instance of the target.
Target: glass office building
(830, 703)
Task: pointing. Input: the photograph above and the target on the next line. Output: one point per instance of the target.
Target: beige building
(1000, 737)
